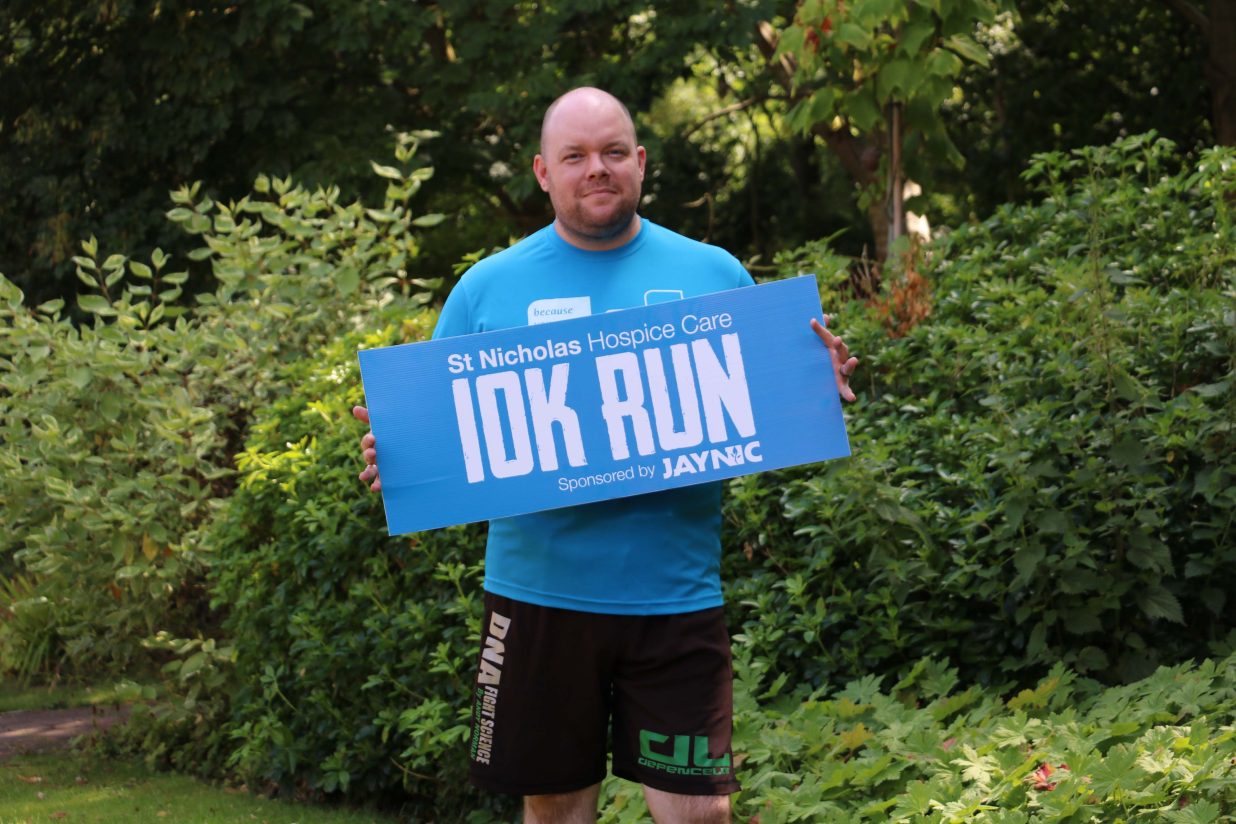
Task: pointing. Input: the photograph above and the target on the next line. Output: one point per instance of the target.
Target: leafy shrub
(928, 750)
(354, 650)
(1043, 468)
(117, 435)
(109, 450)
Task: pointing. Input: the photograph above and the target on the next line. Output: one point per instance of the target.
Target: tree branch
(782, 69)
(730, 109)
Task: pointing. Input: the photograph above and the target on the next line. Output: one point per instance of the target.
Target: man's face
(592, 170)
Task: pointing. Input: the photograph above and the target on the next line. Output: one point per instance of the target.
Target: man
(609, 615)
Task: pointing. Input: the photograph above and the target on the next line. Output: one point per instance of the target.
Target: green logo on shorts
(682, 759)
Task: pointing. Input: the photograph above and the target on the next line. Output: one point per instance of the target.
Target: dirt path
(35, 731)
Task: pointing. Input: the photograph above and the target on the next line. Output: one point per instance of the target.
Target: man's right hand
(369, 452)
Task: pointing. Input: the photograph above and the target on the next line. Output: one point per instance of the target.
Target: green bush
(1042, 474)
(354, 650)
(110, 449)
(1043, 468)
(929, 750)
(117, 435)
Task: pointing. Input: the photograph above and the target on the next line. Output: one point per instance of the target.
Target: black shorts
(550, 682)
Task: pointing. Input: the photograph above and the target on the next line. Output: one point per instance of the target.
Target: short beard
(611, 231)
(602, 232)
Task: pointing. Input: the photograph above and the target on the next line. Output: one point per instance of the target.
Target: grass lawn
(35, 697)
(71, 788)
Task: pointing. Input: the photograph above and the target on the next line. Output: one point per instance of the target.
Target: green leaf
(860, 107)
(1091, 659)
(943, 63)
(1157, 602)
(386, 171)
(916, 799)
(346, 279)
(1198, 811)
(109, 407)
(1146, 552)
(1081, 621)
(851, 34)
(1118, 771)
(872, 13)
(96, 304)
(897, 79)
(1052, 522)
(426, 221)
(1038, 640)
(913, 36)
(1128, 388)
(79, 376)
(192, 664)
(1128, 451)
(1027, 560)
(141, 270)
(1213, 390)
(968, 49)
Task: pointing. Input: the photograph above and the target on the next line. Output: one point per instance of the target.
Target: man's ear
(643, 159)
(541, 170)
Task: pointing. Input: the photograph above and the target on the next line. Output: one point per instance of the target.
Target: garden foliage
(117, 435)
(927, 748)
(1043, 467)
(354, 650)
(1042, 485)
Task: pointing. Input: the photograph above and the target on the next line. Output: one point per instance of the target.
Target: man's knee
(673, 808)
(579, 807)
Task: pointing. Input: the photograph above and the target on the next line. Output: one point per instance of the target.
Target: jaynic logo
(682, 758)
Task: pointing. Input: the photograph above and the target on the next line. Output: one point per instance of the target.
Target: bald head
(591, 168)
(584, 101)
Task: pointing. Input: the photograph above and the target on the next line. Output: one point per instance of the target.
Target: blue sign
(603, 406)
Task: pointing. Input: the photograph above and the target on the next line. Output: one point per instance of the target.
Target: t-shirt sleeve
(456, 316)
(740, 272)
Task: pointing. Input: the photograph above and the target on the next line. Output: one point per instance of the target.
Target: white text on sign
(711, 393)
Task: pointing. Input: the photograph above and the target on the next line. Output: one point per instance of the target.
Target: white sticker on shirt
(548, 310)
(661, 296)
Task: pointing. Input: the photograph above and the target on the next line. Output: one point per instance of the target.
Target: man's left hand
(843, 364)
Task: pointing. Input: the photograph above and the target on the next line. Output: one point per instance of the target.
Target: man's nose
(596, 165)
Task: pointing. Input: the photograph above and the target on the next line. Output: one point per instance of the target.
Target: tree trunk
(1217, 26)
(860, 157)
(1221, 70)
(894, 194)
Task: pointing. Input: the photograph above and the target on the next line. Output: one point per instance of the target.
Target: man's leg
(579, 807)
(540, 703)
(673, 808)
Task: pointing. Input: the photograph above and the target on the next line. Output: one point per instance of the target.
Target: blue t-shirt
(643, 555)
